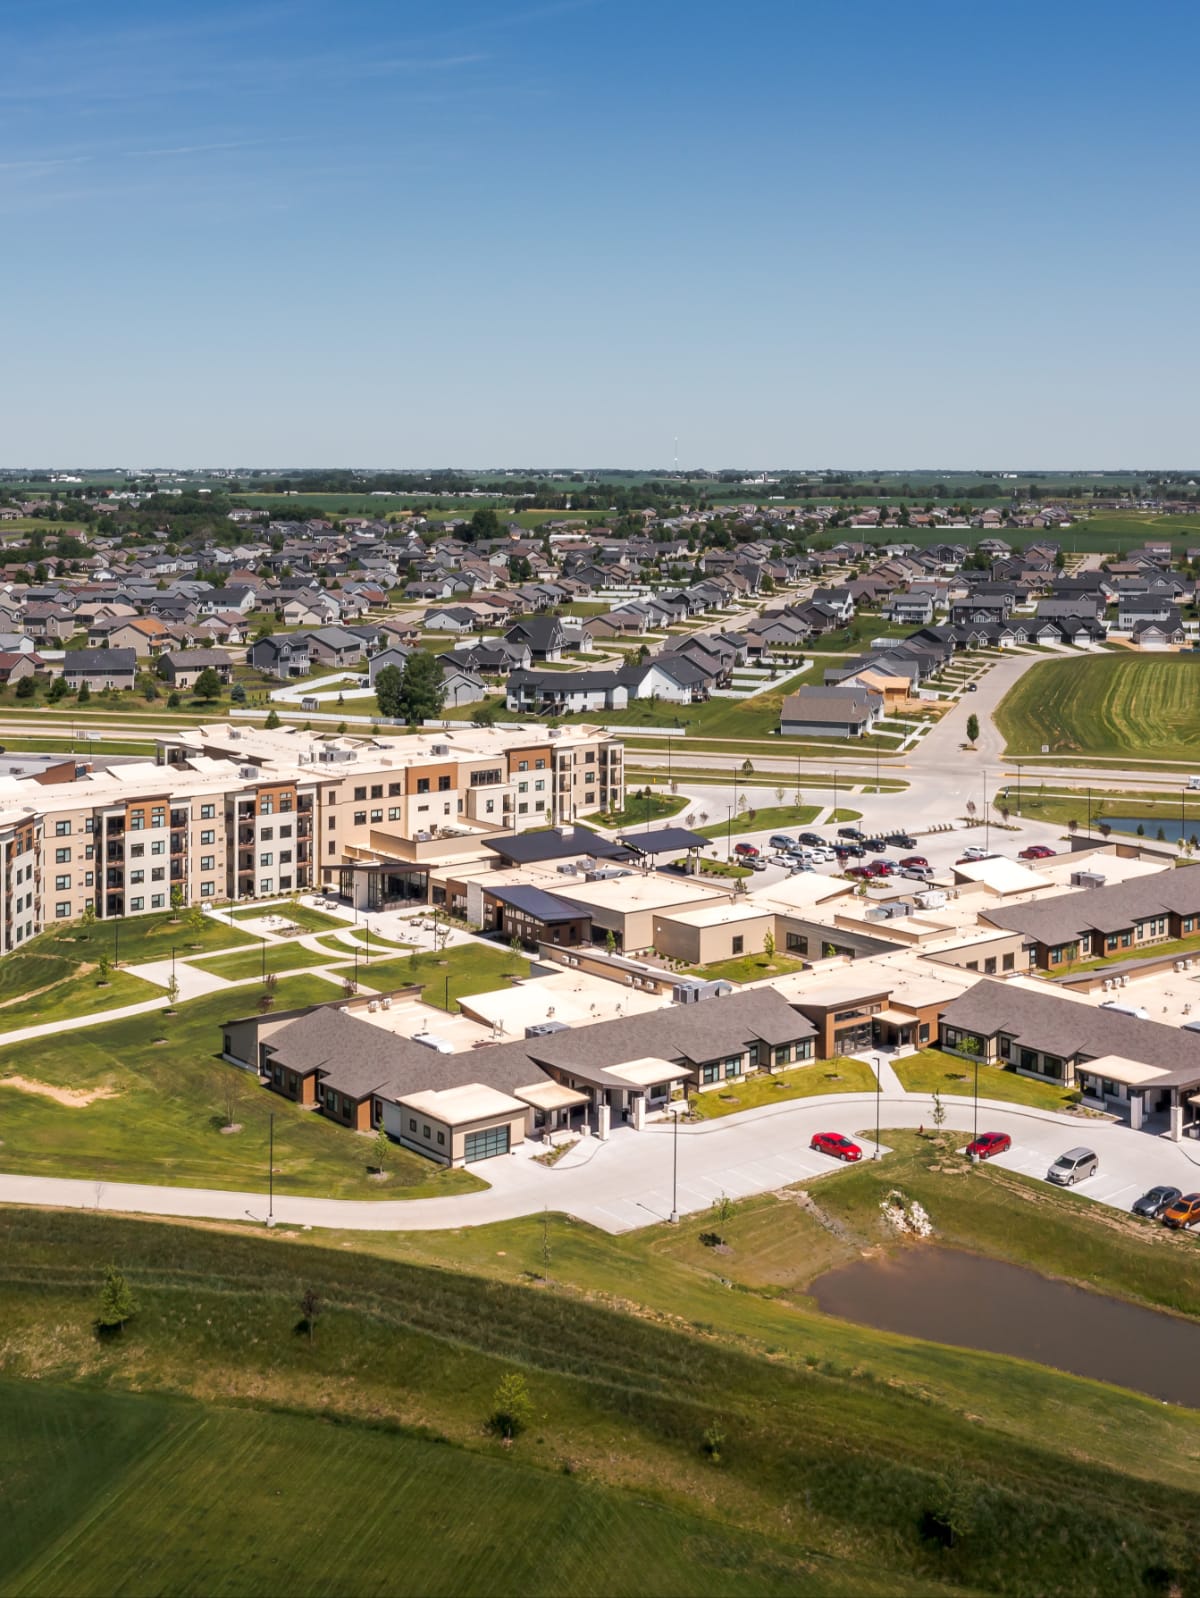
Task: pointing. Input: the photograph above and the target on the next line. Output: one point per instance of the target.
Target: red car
(746, 850)
(836, 1146)
(915, 862)
(989, 1143)
(880, 868)
(861, 871)
(1035, 851)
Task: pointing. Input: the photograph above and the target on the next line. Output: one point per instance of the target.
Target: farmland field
(1107, 706)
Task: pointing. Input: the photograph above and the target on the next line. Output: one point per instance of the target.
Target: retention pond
(946, 1296)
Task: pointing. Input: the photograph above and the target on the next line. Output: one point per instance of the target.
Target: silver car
(1076, 1165)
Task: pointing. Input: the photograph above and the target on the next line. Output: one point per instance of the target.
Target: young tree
(381, 1150)
(195, 919)
(272, 719)
(85, 693)
(939, 1111)
(769, 945)
(58, 690)
(231, 1095)
(972, 728)
(116, 1304)
(208, 685)
(238, 693)
(512, 1408)
(610, 941)
(310, 1308)
(27, 687)
(173, 700)
(88, 918)
(176, 902)
(103, 968)
(172, 993)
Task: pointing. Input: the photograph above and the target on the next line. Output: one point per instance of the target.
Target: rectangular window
(376, 815)
(159, 846)
(710, 1073)
(733, 1065)
(62, 829)
(208, 812)
(360, 818)
(443, 785)
(265, 885)
(137, 851)
(208, 836)
(739, 945)
(158, 901)
(62, 883)
(266, 859)
(393, 812)
(207, 890)
(393, 790)
(62, 857)
(267, 834)
(63, 911)
(137, 876)
(360, 793)
(158, 874)
(442, 1138)
(136, 904)
(208, 862)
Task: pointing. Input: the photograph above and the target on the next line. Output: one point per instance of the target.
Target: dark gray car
(1155, 1201)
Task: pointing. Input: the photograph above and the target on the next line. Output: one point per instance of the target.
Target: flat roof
(473, 1101)
(719, 915)
(648, 1072)
(1120, 1069)
(551, 1096)
(1001, 875)
(641, 891)
(665, 840)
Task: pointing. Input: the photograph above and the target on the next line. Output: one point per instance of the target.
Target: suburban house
(843, 712)
(181, 667)
(543, 635)
(284, 656)
(100, 668)
(564, 692)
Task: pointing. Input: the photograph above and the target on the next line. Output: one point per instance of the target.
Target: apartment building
(240, 813)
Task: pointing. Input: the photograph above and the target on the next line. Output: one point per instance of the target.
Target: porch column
(603, 1121)
(1176, 1131)
(1136, 1104)
(637, 1107)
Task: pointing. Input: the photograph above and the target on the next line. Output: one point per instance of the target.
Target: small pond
(946, 1296)
(1170, 829)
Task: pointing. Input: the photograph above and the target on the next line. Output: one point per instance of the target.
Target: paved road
(626, 1183)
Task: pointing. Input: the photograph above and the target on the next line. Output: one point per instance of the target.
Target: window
(796, 942)
(159, 846)
(522, 765)
(377, 815)
(63, 911)
(208, 812)
(539, 786)
(137, 876)
(360, 793)
(360, 818)
(442, 1138)
(62, 857)
(158, 901)
(137, 820)
(425, 1132)
(208, 862)
(267, 859)
(206, 890)
(63, 883)
(422, 784)
(208, 836)
(393, 812)
(539, 765)
(522, 787)
(739, 945)
(710, 1073)
(443, 785)
(136, 904)
(158, 874)
(733, 1065)
(332, 823)
(137, 851)
(376, 790)
(62, 829)
(1008, 962)
(265, 885)
(87, 879)
(412, 1125)
(285, 832)
(393, 790)
(267, 834)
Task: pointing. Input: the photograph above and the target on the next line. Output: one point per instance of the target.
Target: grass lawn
(302, 915)
(638, 810)
(1053, 802)
(469, 968)
(805, 1082)
(931, 1071)
(635, 1350)
(75, 997)
(1106, 705)
(193, 1494)
(720, 868)
(144, 938)
(279, 957)
(749, 967)
(773, 818)
(165, 1106)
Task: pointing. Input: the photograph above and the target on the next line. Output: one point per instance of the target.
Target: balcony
(179, 842)
(115, 852)
(245, 835)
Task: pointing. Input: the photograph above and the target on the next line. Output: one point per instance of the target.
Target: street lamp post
(1018, 787)
(1089, 812)
(878, 1092)
(263, 943)
(728, 833)
(975, 1134)
(835, 796)
(675, 1170)
(987, 820)
(271, 1173)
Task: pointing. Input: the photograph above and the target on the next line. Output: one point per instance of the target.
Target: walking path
(627, 1182)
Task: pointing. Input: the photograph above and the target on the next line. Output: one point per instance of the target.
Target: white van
(1076, 1165)
(1193, 782)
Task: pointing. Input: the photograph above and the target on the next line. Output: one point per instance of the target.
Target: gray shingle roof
(1109, 909)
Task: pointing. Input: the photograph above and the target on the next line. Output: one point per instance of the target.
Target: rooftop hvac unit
(569, 869)
(248, 771)
(439, 749)
(373, 1006)
(1088, 879)
(543, 1029)
(386, 1003)
(430, 1040)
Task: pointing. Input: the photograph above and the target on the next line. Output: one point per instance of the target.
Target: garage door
(483, 1145)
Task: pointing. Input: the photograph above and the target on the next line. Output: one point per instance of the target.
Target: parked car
(796, 866)
(864, 872)
(780, 840)
(757, 863)
(1036, 851)
(901, 840)
(854, 851)
(972, 687)
(785, 860)
(821, 856)
(989, 1143)
(880, 868)
(974, 852)
(1184, 1212)
(876, 845)
(1076, 1165)
(1153, 1203)
(854, 835)
(917, 873)
(837, 1146)
(748, 851)
(814, 840)
(915, 861)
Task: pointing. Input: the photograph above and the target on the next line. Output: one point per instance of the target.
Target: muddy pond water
(946, 1296)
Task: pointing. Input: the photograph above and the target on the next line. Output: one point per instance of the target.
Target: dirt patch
(73, 1098)
(228, 1131)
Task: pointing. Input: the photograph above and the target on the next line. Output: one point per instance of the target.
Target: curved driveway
(626, 1183)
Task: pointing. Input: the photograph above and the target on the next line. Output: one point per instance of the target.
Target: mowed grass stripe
(249, 1503)
(1107, 706)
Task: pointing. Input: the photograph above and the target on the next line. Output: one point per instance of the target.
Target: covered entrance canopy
(376, 885)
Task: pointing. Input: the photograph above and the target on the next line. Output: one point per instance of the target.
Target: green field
(641, 810)
(302, 915)
(447, 977)
(834, 1442)
(771, 818)
(200, 1500)
(276, 957)
(1107, 706)
(932, 1071)
(162, 1104)
(825, 1076)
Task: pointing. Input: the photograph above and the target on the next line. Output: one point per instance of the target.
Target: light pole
(987, 820)
(975, 1134)
(728, 833)
(1018, 787)
(835, 796)
(878, 1092)
(271, 1172)
(1089, 812)
(263, 942)
(675, 1170)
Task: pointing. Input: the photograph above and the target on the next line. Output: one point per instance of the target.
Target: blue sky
(431, 232)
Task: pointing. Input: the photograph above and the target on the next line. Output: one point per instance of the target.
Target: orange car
(1184, 1212)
